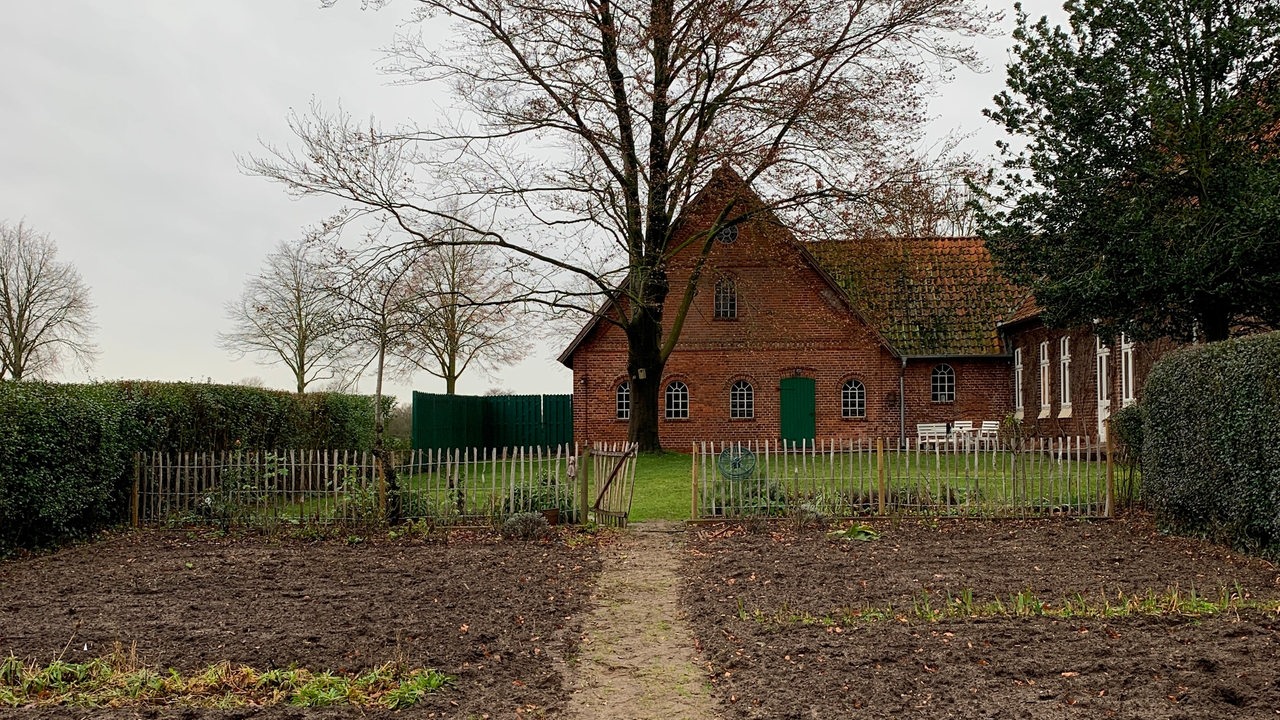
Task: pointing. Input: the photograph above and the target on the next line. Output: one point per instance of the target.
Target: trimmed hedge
(1211, 452)
(66, 451)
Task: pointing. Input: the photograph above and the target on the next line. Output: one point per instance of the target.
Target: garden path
(637, 659)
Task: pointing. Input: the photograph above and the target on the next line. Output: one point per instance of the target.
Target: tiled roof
(1028, 309)
(925, 296)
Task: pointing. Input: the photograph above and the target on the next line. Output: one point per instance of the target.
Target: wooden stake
(693, 493)
(880, 471)
(1109, 509)
(137, 483)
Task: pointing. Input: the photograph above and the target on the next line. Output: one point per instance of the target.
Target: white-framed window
(623, 401)
(677, 401)
(1017, 381)
(1102, 375)
(853, 399)
(742, 400)
(1064, 374)
(1044, 379)
(1128, 392)
(942, 384)
(726, 299)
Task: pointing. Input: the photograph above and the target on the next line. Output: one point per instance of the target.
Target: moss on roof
(926, 296)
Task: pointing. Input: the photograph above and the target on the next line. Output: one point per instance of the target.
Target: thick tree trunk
(644, 368)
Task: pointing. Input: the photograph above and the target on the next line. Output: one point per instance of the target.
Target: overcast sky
(120, 125)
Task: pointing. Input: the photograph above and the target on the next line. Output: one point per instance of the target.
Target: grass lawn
(662, 487)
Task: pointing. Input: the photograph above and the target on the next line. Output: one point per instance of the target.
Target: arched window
(943, 384)
(742, 400)
(726, 299)
(624, 401)
(677, 398)
(853, 399)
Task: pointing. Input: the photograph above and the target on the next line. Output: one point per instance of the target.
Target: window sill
(854, 418)
(742, 419)
(1127, 403)
(943, 402)
(1065, 412)
(622, 420)
(1017, 414)
(675, 420)
(724, 319)
(1044, 413)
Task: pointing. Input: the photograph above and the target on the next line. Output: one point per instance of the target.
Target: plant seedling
(856, 531)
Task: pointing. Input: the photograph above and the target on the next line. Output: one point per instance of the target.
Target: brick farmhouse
(846, 339)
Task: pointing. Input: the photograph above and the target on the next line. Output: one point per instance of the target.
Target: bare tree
(382, 310)
(287, 315)
(929, 197)
(45, 312)
(588, 127)
(472, 323)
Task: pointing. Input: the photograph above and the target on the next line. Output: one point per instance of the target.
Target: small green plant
(857, 531)
(360, 504)
(247, 484)
(544, 492)
(526, 526)
(413, 689)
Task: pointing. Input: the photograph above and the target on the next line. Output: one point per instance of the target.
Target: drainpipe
(902, 403)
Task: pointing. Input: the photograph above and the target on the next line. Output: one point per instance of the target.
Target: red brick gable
(763, 253)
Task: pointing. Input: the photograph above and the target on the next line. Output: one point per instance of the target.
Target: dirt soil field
(739, 584)
(499, 616)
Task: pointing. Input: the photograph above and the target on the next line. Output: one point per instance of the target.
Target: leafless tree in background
(472, 323)
(286, 314)
(382, 309)
(45, 311)
(928, 197)
(587, 127)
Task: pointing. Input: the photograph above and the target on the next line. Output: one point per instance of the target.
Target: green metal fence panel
(447, 421)
(465, 421)
(557, 420)
(513, 421)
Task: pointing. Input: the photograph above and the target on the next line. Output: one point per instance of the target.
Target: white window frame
(1128, 390)
(742, 400)
(675, 401)
(853, 399)
(725, 304)
(1045, 398)
(1064, 376)
(944, 391)
(622, 400)
(1102, 376)
(1017, 383)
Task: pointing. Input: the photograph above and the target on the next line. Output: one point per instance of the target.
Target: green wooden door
(799, 418)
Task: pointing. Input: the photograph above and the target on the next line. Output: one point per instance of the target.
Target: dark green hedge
(66, 451)
(63, 452)
(195, 416)
(1211, 452)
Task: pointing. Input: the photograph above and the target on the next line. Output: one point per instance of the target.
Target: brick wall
(1082, 418)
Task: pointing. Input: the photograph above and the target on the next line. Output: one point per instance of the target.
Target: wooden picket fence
(468, 487)
(1070, 476)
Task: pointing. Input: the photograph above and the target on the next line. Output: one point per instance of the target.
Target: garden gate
(613, 470)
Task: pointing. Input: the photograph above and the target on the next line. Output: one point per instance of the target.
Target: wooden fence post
(693, 495)
(880, 471)
(1109, 509)
(584, 472)
(137, 487)
(382, 485)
